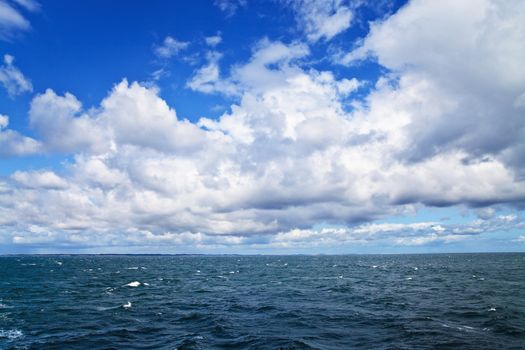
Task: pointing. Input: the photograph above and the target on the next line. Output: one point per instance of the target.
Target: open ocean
(441, 301)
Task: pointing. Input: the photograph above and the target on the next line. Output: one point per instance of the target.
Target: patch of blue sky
(53, 162)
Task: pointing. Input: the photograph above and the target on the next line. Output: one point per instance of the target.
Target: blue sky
(237, 126)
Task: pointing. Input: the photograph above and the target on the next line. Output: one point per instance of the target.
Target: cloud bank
(444, 126)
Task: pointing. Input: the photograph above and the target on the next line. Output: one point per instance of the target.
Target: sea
(428, 301)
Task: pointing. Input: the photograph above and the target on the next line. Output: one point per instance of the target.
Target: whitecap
(133, 284)
(461, 328)
(374, 266)
(102, 308)
(11, 334)
(492, 309)
(409, 278)
(132, 268)
(146, 284)
(127, 305)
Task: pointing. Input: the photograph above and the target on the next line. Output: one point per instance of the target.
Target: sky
(262, 127)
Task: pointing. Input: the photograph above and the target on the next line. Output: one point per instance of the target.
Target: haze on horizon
(237, 126)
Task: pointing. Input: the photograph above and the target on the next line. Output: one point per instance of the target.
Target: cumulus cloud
(450, 102)
(207, 79)
(131, 115)
(12, 78)
(13, 143)
(288, 155)
(170, 47)
(321, 19)
(257, 74)
(39, 179)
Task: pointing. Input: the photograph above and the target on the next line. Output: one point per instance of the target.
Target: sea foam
(10, 334)
(133, 284)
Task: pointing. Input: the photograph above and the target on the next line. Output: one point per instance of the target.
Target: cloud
(321, 19)
(413, 234)
(131, 115)
(286, 157)
(12, 78)
(253, 75)
(170, 47)
(288, 154)
(229, 7)
(446, 102)
(30, 5)
(62, 127)
(12, 21)
(213, 40)
(207, 79)
(4, 121)
(14, 144)
(39, 179)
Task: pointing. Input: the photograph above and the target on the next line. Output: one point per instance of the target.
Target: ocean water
(442, 301)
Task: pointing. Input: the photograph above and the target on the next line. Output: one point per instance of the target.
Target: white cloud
(414, 234)
(229, 7)
(451, 103)
(321, 19)
(40, 179)
(255, 74)
(11, 21)
(14, 144)
(30, 5)
(207, 79)
(170, 47)
(12, 78)
(4, 121)
(131, 115)
(63, 127)
(287, 155)
(347, 86)
(213, 40)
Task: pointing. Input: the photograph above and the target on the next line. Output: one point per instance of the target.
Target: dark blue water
(457, 301)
